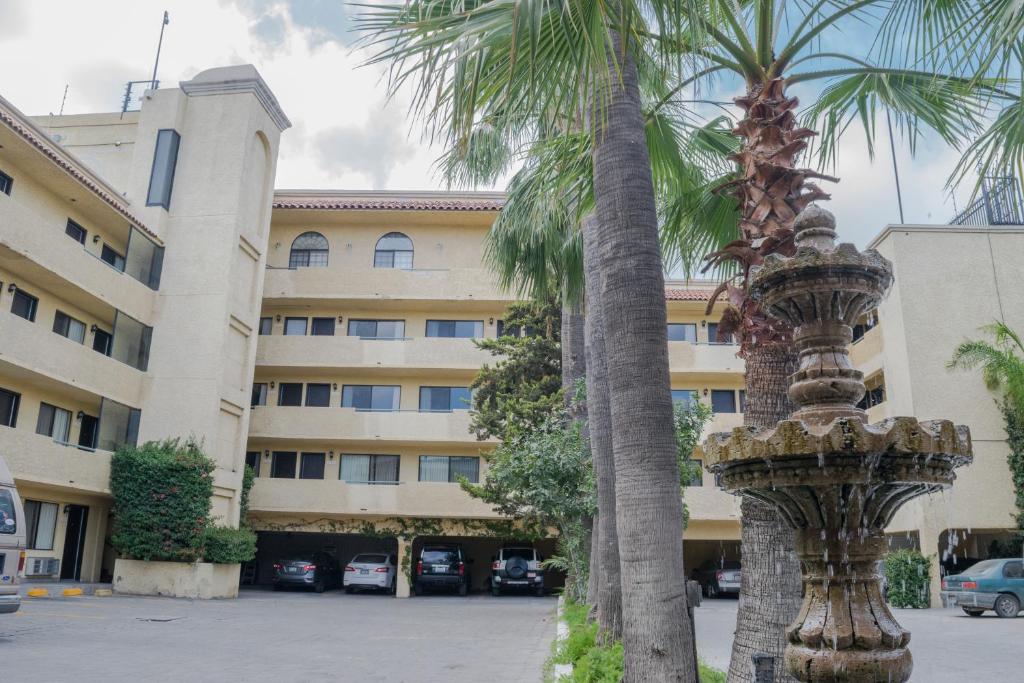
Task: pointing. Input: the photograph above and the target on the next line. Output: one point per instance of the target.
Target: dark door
(87, 434)
(102, 342)
(74, 542)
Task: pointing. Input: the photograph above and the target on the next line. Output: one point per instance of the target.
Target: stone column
(929, 539)
(402, 583)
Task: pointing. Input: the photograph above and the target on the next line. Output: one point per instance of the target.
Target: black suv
(517, 568)
(442, 566)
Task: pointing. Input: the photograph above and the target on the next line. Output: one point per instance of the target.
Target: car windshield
(525, 553)
(440, 556)
(982, 567)
(8, 520)
(371, 559)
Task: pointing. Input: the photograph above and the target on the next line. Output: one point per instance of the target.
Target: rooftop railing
(1000, 203)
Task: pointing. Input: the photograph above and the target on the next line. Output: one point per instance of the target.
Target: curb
(561, 670)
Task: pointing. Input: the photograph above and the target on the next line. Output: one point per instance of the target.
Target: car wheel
(463, 589)
(971, 612)
(1007, 606)
(319, 586)
(394, 586)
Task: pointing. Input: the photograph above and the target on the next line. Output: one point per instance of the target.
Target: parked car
(989, 585)
(318, 571)
(442, 566)
(372, 571)
(517, 568)
(12, 541)
(717, 577)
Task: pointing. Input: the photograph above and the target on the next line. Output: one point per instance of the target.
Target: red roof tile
(687, 294)
(396, 204)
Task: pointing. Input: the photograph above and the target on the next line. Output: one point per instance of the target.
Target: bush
(162, 492)
(908, 574)
(224, 545)
(248, 476)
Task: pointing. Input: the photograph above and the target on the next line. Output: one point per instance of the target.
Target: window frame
(478, 325)
(73, 227)
(33, 303)
(255, 465)
(275, 463)
(721, 392)
(451, 403)
(14, 403)
(411, 251)
(118, 262)
(313, 322)
(6, 183)
(305, 327)
(50, 422)
(372, 469)
(267, 323)
(320, 386)
(376, 328)
(684, 326)
(305, 457)
(448, 459)
(397, 402)
(280, 394)
(32, 523)
(263, 389)
(309, 253)
(67, 320)
(170, 154)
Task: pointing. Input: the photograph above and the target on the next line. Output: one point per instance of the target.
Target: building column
(402, 581)
(929, 540)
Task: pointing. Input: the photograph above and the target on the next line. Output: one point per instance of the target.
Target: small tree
(908, 576)
(690, 419)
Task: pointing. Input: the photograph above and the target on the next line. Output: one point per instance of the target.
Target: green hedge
(908, 574)
(223, 545)
(248, 477)
(162, 492)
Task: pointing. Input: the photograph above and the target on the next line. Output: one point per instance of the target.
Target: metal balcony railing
(1000, 203)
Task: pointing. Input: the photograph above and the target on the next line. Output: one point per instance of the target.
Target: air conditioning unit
(42, 566)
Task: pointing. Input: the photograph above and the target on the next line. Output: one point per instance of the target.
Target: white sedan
(371, 570)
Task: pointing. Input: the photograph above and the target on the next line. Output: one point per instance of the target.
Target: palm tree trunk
(574, 370)
(655, 631)
(599, 418)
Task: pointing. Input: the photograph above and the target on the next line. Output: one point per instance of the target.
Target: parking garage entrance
(482, 551)
(277, 546)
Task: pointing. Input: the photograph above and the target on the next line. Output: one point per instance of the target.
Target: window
(6, 183)
(682, 332)
(24, 305)
(366, 397)
(145, 260)
(66, 326)
(112, 257)
(394, 250)
(266, 325)
(1014, 570)
(312, 466)
(282, 465)
(8, 516)
(252, 459)
(289, 394)
(369, 469)
(259, 394)
(723, 401)
(697, 470)
(322, 327)
(131, 340)
(55, 422)
(119, 425)
(309, 250)
(687, 397)
(318, 395)
(41, 524)
(88, 431)
(295, 327)
(713, 335)
(9, 402)
(102, 341)
(874, 393)
(165, 159)
(376, 329)
(449, 468)
(75, 231)
(464, 329)
(445, 399)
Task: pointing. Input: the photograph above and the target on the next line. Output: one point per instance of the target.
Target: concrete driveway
(280, 637)
(947, 645)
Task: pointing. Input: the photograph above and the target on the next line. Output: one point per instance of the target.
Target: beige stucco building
(155, 285)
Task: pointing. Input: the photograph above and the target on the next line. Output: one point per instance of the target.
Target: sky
(346, 133)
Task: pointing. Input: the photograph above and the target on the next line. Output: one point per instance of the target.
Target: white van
(12, 541)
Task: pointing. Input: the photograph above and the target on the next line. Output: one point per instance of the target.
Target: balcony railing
(1000, 203)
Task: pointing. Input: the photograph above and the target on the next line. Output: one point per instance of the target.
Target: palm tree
(1001, 362)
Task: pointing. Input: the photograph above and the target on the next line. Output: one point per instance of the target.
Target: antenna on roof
(160, 44)
(64, 99)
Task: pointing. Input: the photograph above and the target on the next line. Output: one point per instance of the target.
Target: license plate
(531, 575)
(291, 570)
(439, 568)
(364, 571)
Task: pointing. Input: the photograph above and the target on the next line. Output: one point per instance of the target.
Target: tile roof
(687, 294)
(390, 203)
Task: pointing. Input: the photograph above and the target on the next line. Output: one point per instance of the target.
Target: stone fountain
(835, 478)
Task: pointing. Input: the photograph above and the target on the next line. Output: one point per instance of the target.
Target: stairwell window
(309, 250)
(9, 404)
(54, 422)
(376, 329)
(462, 329)
(6, 183)
(369, 469)
(24, 305)
(449, 468)
(682, 332)
(75, 231)
(66, 326)
(394, 250)
(165, 161)
(367, 397)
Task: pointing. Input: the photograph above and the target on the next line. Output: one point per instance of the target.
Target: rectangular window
(145, 260)
(252, 459)
(130, 344)
(687, 397)
(318, 395)
(312, 466)
(66, 326)
(366, 397)
(445, 399)
(713, 335)
(282, 465)
(377, 329)
(449, 468)
(682, 332)
(259, 394)
(6, 183)
(54, 422)
(723, 401)
(41, 524)
(266, 325)
(75, 231)
(165, 159)
(9, 402)
(369, 469)
(119, 425)
(295, 327)
(112, 257)
(289, 394)
(24, 305)
(322, 327)
(464, 329)
(102, 341)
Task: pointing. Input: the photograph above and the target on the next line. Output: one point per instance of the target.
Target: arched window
(394, 250)
(309, 250)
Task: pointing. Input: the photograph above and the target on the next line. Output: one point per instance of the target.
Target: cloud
(13, 21)
(372, 149)
(318, 21)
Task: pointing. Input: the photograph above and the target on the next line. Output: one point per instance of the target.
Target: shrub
(223, 545)
(248, 476)
(908, 574)
(162, 492)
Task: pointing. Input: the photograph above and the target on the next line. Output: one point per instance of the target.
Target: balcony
(290, 424)
(38, 251)
(319, 353)
(41, 460)
(34, 347)
(866, 352)
(704, 359)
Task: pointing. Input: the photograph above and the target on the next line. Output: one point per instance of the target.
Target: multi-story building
(155, 286)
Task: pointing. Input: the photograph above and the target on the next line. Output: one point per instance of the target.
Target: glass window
(449, 468)
(54, 422)
(376, 329)
(369, 469)
(312, 466)
(1014, 570)
(131, 341)
(465, 329)
(445, 399)
(75, 231)
(289, 394)
(102, 341)
(309, 250)
(713, 335)
(371, 559)
(9, 402)
(295, 327)
(6, 183)
(8, 516)
(66, 326)
(119, 425)
(687, 397)
(24, 305)
(110, 256)
(252, 459)
(322, 327)
(145, 260)
(318, 395)
(259, 394)
(266, 325)
(394, 250)
(684, 332)
(723, 401)
(40, 524)
(165, 159)
(367, 397)
(282, 465)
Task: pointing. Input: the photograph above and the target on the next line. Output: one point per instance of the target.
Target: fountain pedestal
(836, 479)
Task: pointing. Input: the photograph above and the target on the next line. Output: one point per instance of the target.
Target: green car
(992, 584)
